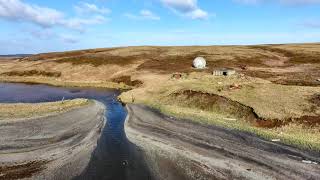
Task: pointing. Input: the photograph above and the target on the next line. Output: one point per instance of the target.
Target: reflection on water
(115, 158)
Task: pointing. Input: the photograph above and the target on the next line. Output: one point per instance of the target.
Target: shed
(224, 72)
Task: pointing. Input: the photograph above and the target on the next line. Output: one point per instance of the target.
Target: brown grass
(183, 62)
(100, 60)
(128, 81)
(296, 57)
(212, 102)
(64, 83)
(32, 73)
(233, 109)
(55, 55)
(315, 99)
(167, 60)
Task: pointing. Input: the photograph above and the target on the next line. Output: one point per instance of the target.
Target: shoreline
(59, 83)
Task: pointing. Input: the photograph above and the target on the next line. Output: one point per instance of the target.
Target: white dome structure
(199, 63)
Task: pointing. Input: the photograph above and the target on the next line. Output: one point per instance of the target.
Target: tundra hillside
(275, 93)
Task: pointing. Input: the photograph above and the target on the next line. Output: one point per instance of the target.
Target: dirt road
(53, 147)
(177, 149)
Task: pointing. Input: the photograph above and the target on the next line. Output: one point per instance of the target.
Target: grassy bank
(248, 104)
(26, 110)
(292, 134)
(62, 83)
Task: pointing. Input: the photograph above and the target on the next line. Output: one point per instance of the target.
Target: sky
(35, 26)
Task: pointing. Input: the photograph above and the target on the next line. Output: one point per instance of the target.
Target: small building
(199, 63)
(224, 72)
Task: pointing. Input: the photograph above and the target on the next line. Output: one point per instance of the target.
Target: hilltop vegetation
(294, 64)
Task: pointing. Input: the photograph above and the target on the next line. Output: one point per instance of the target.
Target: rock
(307, 161)
(235, 86)
(230, 119)
(318, 80)
(276, 140)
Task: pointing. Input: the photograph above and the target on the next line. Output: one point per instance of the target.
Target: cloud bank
(188, 8)
(17, 10)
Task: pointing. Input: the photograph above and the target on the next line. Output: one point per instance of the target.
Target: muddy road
(180, 149)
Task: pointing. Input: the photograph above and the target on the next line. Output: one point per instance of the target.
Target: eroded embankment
(178, 149)
(52, 147)
(230, 108)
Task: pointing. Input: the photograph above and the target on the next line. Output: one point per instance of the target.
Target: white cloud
(17, 10)
(79, 23)
(188, 8)
(198, 14)
(143, 15)
(86, 8)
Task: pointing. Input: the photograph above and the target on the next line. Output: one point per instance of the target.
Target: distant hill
(286, 64)
(15, 55)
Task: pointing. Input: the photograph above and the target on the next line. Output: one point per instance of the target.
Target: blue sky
(34, 26)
